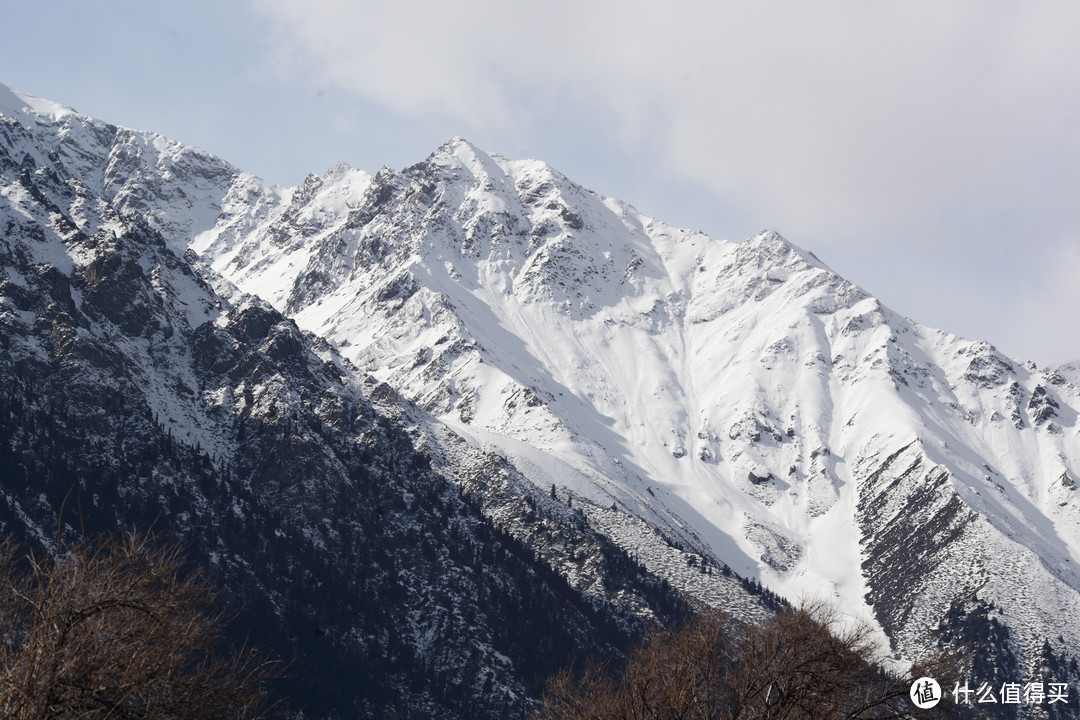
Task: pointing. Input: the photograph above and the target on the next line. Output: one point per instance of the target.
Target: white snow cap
(14, 103)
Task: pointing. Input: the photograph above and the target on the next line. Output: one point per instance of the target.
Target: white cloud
(915, 124)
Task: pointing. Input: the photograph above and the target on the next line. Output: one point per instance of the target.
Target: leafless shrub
(801, 665)
(115, 628)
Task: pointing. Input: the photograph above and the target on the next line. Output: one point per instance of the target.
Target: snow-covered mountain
(1070, 371)
(698, 404)
(740, 395)
(142, 389)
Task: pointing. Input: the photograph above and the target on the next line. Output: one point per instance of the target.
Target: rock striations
(440, 430)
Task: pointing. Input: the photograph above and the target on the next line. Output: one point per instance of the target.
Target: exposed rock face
(474, 392)
(140, 388)
(135, 394)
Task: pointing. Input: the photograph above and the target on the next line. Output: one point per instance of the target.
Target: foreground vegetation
(116, 628)
(803, 664)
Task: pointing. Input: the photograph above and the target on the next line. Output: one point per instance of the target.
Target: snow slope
(741, 396)
(140, 389)
(739, 401)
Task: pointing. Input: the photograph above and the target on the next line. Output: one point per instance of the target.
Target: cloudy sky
(928, 151)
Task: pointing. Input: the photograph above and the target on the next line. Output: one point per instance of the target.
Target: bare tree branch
(803, 664)
(117, 629)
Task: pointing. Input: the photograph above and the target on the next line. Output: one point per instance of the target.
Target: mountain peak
(458, 147)
(1071, 371)
(462, 154)
(771, 245)
(14, 103)
(742, 401)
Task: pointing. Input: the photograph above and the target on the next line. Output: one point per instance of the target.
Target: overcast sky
(929, 152)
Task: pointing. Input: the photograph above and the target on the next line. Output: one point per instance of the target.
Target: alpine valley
(436, 432)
